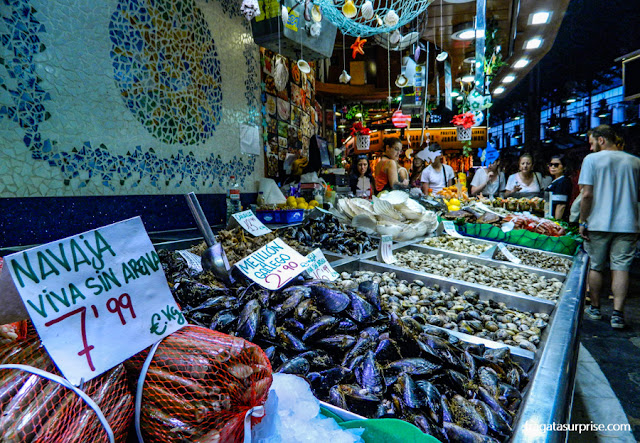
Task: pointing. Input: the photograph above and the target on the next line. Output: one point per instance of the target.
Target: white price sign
(250, 223)
(319, 268)
(450, 228)
(512, 258)
(385, 251)
(96, 298)
(273, 265)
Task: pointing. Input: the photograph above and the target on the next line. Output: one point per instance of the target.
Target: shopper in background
(525, 182)
(437, 175)
(416, 171)
(609, 220)
(489, 181)
(558, 193)
(386, 173)
(360, 179)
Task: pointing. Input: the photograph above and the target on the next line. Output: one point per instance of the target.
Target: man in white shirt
(437, 175)
(609, 220)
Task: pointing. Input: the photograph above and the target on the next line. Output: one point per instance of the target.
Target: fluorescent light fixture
(570, 100)
(517, 117)
(539, 18)
(468, 78)
(521, 63)
(338, 114)
(465, 35)
(464, 31)
(459, 98)
(498, 90)
(454, 93)
(533, 43)
(508, 78)
(359, 114)
(341, 126)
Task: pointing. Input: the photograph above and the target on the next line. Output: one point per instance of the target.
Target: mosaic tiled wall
(125, 97)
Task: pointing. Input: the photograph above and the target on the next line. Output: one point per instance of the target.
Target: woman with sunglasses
(558, 193)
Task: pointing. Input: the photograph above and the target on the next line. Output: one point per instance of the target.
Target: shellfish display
(452, 310)
(501, 277)
(360, 356)
(528, 257)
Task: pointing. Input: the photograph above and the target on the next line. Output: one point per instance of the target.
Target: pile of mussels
(360, 358)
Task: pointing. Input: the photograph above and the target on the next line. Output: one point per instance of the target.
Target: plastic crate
(285, 216)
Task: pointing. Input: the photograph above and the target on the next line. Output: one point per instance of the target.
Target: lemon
(313, 203)
(454, 201)
(454, 208)
(293, 205)
(300, 200)
(291, 200)
(303, 205)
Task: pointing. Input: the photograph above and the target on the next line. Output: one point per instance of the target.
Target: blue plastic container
(284, 216)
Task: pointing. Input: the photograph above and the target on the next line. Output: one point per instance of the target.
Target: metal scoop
(213, 259)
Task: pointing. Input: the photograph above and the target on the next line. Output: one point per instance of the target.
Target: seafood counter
(464, 347)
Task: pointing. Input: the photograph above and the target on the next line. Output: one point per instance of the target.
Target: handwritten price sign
(250, 223)
(96, 298)
(385, 251)
(318, 267)
(273, 265)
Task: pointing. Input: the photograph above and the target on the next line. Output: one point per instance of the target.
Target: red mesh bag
(39, 410)
(199, 386)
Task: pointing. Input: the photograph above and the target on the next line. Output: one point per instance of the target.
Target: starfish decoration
(357, 47)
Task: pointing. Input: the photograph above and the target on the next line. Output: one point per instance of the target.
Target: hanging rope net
(363, 18)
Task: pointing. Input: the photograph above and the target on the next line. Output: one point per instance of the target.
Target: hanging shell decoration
(284, 13)
(395, 37)
(314, 29)
(316, 14)
(280, 73)
(349, 9)
(367, 10)
(391, 18)
(344, 77)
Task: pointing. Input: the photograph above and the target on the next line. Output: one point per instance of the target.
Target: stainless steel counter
(548, 397)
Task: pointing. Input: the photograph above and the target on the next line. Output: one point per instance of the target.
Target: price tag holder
(450, 228)
(250, 223)
(96, 298)
(385, 251)
(512, 258)
(489, 252)
(318, 267)
(273, 265)
(194, 261)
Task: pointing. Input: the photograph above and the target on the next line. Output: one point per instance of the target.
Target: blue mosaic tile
(189, 73)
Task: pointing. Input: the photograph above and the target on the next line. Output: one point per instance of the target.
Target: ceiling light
(377, 116)
(341, 126)
(463, 31)
(338, 114)
(570, 100)
(539, 18)
(359, 114)
(509, 78)
(454, 93)
(459, 98)
(521, 63)
(468, 78)
(533, 43)
(498, 90)
(517, 117)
